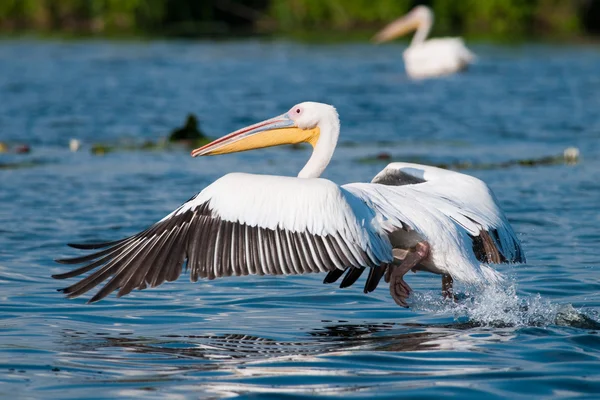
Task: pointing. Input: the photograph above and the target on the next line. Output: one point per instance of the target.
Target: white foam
(500, 305)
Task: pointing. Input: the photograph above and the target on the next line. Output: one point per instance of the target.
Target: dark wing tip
(333, 276)
(67, 291)
(71, 293)
(95, 298)
(63, 261)
(83, 246)
(375, 275)
(64, 275)
(353, 274)
(94, 246)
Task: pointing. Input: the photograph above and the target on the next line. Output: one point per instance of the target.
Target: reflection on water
(236, 363)
(342, 336)
(331, 338)
(233, 352)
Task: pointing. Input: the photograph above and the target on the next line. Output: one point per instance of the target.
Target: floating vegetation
(17, 148)
(570, 156)
(21, 164)
(189, 135)
(22, 149)
(149, 145)
(102, 148)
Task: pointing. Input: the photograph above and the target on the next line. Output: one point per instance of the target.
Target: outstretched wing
(466, 200)
(241, 224)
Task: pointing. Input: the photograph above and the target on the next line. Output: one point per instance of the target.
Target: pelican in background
(411, 217)
(426, 58)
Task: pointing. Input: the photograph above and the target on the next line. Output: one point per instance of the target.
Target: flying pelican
(427, 58)
(411, 217)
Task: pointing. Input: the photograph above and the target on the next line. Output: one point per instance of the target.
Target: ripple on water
(292, 337)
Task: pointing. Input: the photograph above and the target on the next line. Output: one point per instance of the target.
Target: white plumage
(447, 209)
(437, 57)
(313, 206)
(427, 58)
(440, 221)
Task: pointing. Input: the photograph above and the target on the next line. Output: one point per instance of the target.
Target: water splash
(501, 306)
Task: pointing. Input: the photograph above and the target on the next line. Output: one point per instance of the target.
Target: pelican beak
(399, 27)
(271, 132)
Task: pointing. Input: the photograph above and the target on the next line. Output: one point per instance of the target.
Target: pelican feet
(399, 289)
(404, 261)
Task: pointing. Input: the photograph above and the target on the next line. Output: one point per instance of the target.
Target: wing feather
(353, 274)
(137, 277)
(193, 247)
(294, 255)
(303, 226)
(255, 249)
(468, 201)
(285, 261)
(334, 275)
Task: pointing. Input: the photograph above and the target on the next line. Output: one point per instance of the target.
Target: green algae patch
(570, 156)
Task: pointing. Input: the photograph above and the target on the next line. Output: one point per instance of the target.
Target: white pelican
(427, 58)
(411, 217)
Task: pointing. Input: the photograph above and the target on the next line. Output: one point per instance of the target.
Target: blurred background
(497, 19)
(101, 101)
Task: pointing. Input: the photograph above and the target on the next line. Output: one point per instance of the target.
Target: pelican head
(420, 17)
(301, 124)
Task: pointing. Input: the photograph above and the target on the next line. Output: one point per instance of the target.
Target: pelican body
(410, 217)
(427, 58)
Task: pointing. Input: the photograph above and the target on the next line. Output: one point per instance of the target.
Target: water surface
(293, 336)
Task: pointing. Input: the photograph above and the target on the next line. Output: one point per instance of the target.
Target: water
(293, 337)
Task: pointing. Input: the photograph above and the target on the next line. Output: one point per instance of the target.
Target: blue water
(293, 337)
